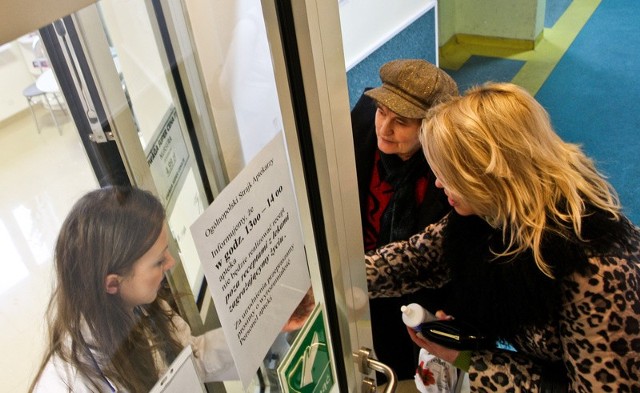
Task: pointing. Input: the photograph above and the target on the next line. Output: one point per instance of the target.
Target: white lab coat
(213, 359)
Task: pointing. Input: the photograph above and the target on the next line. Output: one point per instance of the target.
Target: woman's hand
(444, 353)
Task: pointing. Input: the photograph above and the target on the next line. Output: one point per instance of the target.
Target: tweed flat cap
(411, 86)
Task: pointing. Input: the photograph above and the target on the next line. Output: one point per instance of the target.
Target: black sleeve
(364, 140)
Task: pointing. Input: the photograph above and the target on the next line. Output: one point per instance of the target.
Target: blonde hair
(496, 149)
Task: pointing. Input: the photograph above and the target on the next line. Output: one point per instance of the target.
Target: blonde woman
(536, 249)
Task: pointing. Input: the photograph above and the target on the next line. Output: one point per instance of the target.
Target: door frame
(306, 44)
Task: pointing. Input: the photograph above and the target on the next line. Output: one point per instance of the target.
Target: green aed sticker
(307, 366)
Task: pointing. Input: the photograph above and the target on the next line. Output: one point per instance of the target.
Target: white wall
(367, 24)
(140, 62)
(17, 19)
(516, 19)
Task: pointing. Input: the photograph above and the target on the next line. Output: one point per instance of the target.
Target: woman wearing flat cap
(398, 197)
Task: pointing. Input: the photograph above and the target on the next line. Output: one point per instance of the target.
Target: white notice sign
(168, 158)
(251, 249)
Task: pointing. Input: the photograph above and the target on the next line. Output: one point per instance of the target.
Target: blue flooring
(554, 10)
(414, 42)
(479, 69)
(593, 94)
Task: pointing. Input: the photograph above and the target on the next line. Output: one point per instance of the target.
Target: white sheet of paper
(181, 376)
(251, 248)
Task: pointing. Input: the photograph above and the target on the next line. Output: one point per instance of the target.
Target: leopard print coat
(595, 334)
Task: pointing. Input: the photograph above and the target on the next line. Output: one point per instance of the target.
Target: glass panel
(233, 49)
(244, 101)
(234, 52)
(44, 169)
(139, 60)
(244, 105)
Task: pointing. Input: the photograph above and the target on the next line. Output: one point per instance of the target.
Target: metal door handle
(366, 363)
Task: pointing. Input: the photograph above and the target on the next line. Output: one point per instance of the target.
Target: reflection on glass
(139, 62)
(43, 169)
(13, 268)
(39, 240)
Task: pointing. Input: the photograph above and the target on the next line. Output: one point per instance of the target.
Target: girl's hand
(444, 353)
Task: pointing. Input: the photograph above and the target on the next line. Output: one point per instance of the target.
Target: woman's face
(396, 134)
(142, 284)
(458, 204)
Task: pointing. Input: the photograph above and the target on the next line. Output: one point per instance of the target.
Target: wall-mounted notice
(168, 158)
(250, 245)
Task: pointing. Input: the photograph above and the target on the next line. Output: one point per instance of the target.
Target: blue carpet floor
(554, 10)
(593, 96)
(481, 69)
(414, 42)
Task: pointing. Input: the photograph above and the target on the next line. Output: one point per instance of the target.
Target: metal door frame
(306, 45)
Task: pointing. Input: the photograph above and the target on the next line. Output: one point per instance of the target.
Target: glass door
(129, 111)
(263, 77)
(178, 98)
(306, 43)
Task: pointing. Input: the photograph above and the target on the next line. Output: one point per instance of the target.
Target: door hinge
(101, 137)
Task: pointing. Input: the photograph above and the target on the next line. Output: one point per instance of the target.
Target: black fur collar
(502, 296)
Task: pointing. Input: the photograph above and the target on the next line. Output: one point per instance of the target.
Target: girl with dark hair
(108, 328)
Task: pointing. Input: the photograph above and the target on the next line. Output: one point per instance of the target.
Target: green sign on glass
(307, 366)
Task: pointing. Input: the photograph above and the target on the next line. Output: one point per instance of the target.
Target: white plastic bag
(434, 375)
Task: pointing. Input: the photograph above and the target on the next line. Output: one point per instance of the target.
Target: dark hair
(106, 232)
